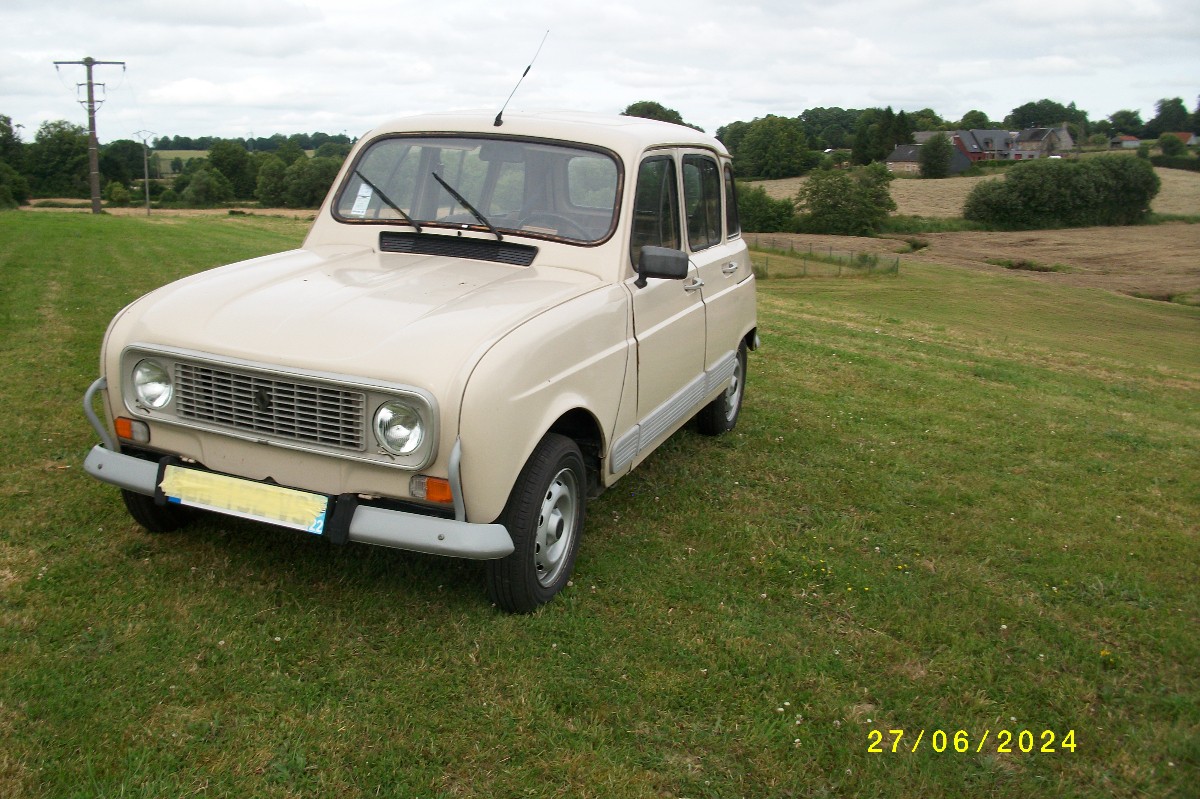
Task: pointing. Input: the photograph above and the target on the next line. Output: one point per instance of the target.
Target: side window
(702, 201)
(733, 225)
(655, 207)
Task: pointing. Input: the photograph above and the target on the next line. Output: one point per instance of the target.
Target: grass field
(956, 501)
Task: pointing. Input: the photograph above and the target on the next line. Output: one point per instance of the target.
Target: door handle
(729, 268)
(694, 286)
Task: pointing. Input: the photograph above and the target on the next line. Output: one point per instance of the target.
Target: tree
(846, 203)
(774, 147)
(57, 161)
(14, 189)
(1126, 122)
(206, 187)
(935, 156)
(121, 161)
(975, 120)
(231, 160)
(289, 152)
(1172, 116)
(1045, 114)
(12, 149)
(270, 188)
(648, 109)
(306, 182)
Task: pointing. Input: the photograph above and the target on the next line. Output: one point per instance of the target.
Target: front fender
(573, 356)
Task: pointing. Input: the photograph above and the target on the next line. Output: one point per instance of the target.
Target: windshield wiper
(483, 220)
(388, 200)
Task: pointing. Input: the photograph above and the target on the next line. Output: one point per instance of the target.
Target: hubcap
(556, 527)
(733, 393)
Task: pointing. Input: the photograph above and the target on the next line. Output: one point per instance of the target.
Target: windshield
(506, 186)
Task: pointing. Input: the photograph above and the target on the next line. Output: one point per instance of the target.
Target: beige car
(486, 326)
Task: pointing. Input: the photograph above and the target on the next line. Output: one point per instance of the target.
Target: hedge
(1050, 193)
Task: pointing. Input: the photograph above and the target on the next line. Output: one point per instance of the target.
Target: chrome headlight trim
(152, 384)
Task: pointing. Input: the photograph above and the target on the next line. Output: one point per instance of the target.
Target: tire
(152, 516)
(544, 516)
(720, 415)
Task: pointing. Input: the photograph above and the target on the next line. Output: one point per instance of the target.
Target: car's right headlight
(151, 384)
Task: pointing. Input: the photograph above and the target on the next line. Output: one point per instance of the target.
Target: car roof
(626, 135)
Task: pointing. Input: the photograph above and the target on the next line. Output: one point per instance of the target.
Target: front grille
(312, 413)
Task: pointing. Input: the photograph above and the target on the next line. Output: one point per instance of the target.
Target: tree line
(272, 170)
(276, 171)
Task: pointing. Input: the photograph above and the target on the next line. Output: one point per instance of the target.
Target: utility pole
(93, 143)
(143, 135)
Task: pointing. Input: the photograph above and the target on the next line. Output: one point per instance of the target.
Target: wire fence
(779, 258)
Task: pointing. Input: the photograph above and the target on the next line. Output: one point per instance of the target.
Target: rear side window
(656, 207)
(733, 225)
(702, 201)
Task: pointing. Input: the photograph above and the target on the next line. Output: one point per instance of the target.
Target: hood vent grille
(458, 247)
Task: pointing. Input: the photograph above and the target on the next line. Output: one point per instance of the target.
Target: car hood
(414, 319)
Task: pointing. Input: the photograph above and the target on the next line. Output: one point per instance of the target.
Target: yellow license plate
(259, 502)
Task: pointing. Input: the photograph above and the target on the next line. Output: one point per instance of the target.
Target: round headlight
(152, 384)
(398, 428)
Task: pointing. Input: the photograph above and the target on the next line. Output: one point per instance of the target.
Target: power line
(93, 144)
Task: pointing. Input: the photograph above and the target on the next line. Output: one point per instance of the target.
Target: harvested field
(1154, 261)
(1180, 193)
(1158, 262)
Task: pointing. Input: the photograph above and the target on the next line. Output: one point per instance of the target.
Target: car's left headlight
(399, 427)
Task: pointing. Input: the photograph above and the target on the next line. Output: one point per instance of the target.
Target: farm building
(906, 160)
(1186, 137)
(1124, 143)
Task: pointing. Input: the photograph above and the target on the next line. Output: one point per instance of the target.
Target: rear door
(717, 251)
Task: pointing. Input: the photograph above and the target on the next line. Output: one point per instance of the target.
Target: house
(996, 145)
(1124, 143)
(906, 160)
(1042, 142)
(979, 144)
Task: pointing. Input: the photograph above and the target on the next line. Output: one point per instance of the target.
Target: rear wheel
(720, 415)
(154, 517)
(544, 516)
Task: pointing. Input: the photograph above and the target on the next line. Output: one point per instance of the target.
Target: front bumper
(366, 524)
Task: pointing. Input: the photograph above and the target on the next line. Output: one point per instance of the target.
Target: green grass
(954, 500)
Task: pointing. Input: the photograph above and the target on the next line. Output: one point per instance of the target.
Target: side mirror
(662, 263)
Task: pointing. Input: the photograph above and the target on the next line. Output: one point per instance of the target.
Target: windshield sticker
(362, 201)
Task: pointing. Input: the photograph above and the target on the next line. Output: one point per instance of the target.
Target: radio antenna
(499, 120)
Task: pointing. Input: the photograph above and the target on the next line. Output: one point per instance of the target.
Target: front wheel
(720, 415)
(152, 516)
(544, 516)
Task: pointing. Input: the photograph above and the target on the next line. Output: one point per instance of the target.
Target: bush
(846, 203)
(1176, 162)
(116, 194)
(760, 213)
(1171, 146)
(1052, 193)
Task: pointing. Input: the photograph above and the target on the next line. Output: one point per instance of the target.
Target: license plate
(260, 502)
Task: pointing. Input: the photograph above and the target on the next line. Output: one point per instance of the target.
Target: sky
(238, 68)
